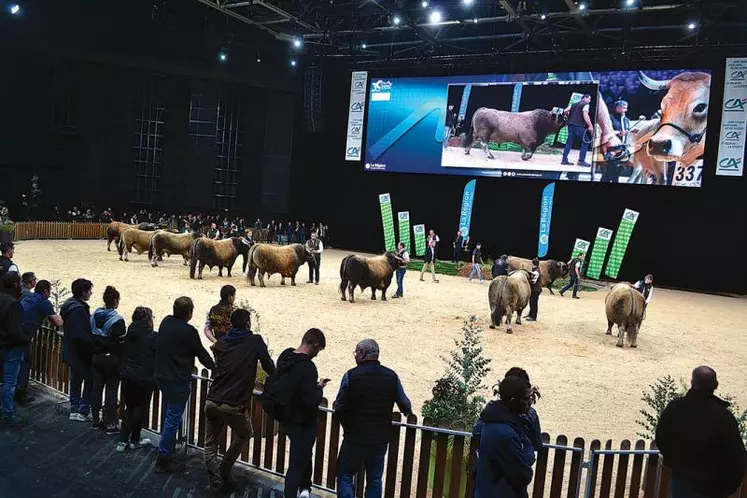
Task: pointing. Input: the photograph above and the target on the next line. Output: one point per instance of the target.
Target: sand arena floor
(589, 387)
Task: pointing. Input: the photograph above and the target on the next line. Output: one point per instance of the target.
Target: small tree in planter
(7, 227)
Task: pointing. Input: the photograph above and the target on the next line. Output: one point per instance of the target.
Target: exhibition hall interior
(373, 248)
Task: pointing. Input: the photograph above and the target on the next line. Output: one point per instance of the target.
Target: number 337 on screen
(688, 175)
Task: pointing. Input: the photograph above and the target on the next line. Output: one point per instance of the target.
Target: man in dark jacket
(700, 441)
(574, 272)
(137, 371)
(7, 250)
(506, 455)
(499, 266)
(12, 344)
(77, 348)
(230, 395)
(364, 405)
(457, 246)
(177, 347)
(536, 284)
(297, 379)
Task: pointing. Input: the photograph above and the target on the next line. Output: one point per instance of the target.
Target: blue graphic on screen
(425, 125)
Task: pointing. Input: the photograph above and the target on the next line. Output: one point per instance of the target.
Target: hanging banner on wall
(419, 231)
(357, 106)
(468, 200)
(598, 252)
(403, 222)
(624, 231)
(387, 221)
(733, 137)
(465, 101)
(545, 218)
(580, 245)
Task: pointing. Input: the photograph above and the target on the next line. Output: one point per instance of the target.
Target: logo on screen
(356, 107)
(729, 163)
(358, 84)
(605, 234)
(733, 135)
(353, 152)
(355, 130)
(735, 104)
(404, 216)
(381, 85)
(739, 75)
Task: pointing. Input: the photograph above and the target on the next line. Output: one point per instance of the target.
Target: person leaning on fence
(506, 455)
(28, 282)
(77, 348)
(137, 372)
(230, 396)
(363, 407)
(107, 331)
(292, 396)
(12, 345)
(700, 441)
(36, 308)
(177, 346)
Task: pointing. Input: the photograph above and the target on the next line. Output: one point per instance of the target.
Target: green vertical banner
(563, 133)
(403, 221)
(419, 231)
(387, 221)
(624, 231)
(599, 252)
(580, 245)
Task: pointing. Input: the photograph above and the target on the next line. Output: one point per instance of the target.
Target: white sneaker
(77, 417)
(305, 493)
(121, 447)
(142, 444)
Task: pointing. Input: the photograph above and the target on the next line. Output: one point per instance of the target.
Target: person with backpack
(77, 348)
(292, 396)
(230, 396)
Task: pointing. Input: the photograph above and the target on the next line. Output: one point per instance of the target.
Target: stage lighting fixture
(435, 17)
(15, 8)
(293, 62)
(222, 56)
(543, 16)
(629, 3)
(396, 20)
(691, 25)
(468, 2)
(363, 45)
(297, 43)
(424, 4)
(259, 60)
(582, 6)
(475, 20)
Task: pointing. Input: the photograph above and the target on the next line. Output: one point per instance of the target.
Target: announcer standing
(457, 246)
(450, 125)
(536, 283)
(315, 247)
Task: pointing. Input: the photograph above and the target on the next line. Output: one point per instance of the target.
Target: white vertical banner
(354, 143)
(731, 147)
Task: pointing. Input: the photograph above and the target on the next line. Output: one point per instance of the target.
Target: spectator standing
(506, 455)
(363, 407)
(12, 345)
(403, 258)
(316, 247)
(7, 250)
(700, 441)
(467, 247)
(138, 378)
(499, 266)
(258, 224)
(476, 262)
(230, 396)
(450, 127)
(107, 331)
(457, 246)
(177, 347)
(28, 282)
(77, 348)
(289, 233)
(218, 321)
(429, 261)
(574, 272)
(280, 233)
(536, 285)
(645, 287)
(36, 308)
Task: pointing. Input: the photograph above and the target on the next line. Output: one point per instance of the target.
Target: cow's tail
(343, 278)
(632, 306)
(249, 266)
(192, 257)
(151, 249)
(496, 314)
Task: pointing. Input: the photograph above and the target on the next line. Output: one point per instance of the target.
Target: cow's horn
(653, 84)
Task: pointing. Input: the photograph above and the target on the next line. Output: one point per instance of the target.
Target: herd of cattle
(507, 295)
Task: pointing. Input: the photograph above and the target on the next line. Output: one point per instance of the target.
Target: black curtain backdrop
(691, 238)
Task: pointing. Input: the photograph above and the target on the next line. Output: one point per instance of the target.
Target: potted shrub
(7, 227)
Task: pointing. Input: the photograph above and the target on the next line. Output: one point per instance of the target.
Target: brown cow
(113, 231)
(550, 270)
(132, 238)
(527, 129)
(218, 253)
(171, 243)
(508, 294)
(269, 259)
(375, 272)
(626, 308)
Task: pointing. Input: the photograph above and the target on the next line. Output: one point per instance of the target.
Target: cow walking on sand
(625, 307)
(509, 294)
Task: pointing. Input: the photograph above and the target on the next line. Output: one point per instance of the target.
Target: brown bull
(269, 259)
(527, 129)
(375, 272)
(220, 253)
(113, 232)
(171, 243)
(626, 308)
(132, 238)
(506, 295)
(550, 270)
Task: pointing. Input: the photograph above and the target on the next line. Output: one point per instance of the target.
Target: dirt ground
(589, 387)
(454, 157)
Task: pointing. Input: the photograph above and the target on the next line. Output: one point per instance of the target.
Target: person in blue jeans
(574, 273)
(363, 407)
(579, 123)
(476, 262)
(403, 257)
(12, 345)
(177, 346)
(77, 348)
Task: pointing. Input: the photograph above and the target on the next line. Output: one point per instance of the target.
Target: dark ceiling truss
(363, 31)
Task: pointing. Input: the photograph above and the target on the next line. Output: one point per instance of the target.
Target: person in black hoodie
(138, 358)
(700, 441)
(297, 377)
(12, 344)
(177, 347)
(77, 348)
(536, 288)
(107, 331)
(229, 398)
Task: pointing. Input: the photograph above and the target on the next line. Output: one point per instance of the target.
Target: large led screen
(644, 127)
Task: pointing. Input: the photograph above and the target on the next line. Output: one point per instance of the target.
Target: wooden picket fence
(422, 462)
(26, 230)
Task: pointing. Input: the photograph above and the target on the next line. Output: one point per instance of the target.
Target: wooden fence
(26, 230)
(422, 462)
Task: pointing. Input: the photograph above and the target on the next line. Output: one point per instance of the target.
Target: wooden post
(474, 445)
(558, 468)
(577, 460)
(651, 474)
(321, 440)
(457, 466)
(334, 446)
(439, 472)
(594, 470)
(607, 466)
(540, 472)
(622, 470)
(635, 475)
(424, 462)
(390, 480)
(408, 458)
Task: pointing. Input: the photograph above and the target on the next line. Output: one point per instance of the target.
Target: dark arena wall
(690, 238)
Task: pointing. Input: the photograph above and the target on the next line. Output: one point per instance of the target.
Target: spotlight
(293, 62)
(691, 25)
(467, 2)
(424, 4)
(15, 8)
(582, 6)
(435, 17)
(222, 56)
(297, 43)
(629, 3)
(475, 20)
(396, 20)
(543, 16)
(259, 60)
(363, 45)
